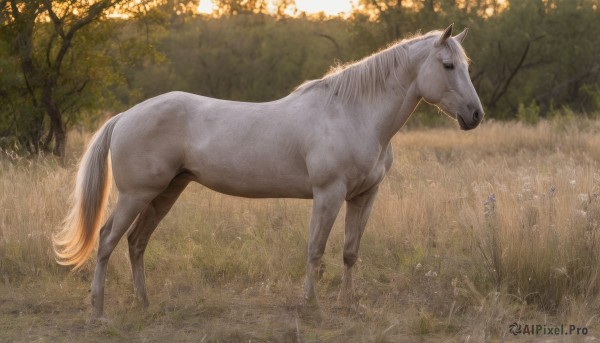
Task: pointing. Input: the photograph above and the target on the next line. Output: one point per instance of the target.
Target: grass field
(471, 232)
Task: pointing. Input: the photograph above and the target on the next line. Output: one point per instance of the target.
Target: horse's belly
(252, 179)
(256, 187)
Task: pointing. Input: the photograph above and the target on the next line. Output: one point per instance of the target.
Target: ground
(441, 260)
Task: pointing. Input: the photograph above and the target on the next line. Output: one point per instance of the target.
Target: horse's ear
(461, 36)
(447, 33)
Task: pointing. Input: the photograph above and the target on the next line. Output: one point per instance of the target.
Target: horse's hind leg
(127, 209)
(358, 210)
(144, 227)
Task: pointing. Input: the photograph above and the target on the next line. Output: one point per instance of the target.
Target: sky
(330, 7)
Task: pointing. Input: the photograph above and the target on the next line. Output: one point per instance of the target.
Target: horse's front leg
(358, 210)
(326, 205)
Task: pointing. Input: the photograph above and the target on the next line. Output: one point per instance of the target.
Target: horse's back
(245, 149)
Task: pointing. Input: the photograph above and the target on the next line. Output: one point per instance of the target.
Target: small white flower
(431, 274)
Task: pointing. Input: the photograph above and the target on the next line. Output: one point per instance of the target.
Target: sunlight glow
(330, 7)
(206, 7)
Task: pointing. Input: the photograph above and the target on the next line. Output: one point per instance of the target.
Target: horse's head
(443, 80)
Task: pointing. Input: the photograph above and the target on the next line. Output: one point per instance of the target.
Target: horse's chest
(368, 176)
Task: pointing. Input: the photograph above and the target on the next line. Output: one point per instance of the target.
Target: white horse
(329, 140)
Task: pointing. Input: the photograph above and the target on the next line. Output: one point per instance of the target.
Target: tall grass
(471, 231)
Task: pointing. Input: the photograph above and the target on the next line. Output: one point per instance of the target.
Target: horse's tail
(74, 243)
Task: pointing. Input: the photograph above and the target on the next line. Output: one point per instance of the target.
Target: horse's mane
(367, 77)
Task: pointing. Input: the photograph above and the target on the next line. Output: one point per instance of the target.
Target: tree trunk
(59, 142)
(56, 122)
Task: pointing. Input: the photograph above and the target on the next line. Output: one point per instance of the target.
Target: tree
(54, 45)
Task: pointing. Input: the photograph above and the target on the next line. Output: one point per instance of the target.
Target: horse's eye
(448, 66)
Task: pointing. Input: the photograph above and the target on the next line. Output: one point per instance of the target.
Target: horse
(328, 140)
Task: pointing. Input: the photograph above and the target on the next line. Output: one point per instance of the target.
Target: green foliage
(243, 57)
(542, 52)
(529, 114)
(591, 94)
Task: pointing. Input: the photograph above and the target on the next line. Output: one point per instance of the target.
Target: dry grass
(440, 261)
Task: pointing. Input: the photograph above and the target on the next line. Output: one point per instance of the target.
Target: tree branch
(49, 49)
(499, 92)
(15, 10)
(332, 40)
(94, 11)
(58, 23)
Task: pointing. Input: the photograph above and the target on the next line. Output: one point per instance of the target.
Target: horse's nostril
(476, 116)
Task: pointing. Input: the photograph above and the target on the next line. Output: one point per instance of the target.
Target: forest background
(66, 64)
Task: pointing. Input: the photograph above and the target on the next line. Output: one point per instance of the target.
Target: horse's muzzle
(475, 118)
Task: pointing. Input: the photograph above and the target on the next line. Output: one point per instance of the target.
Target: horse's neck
(392, 118)
(393, 108)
